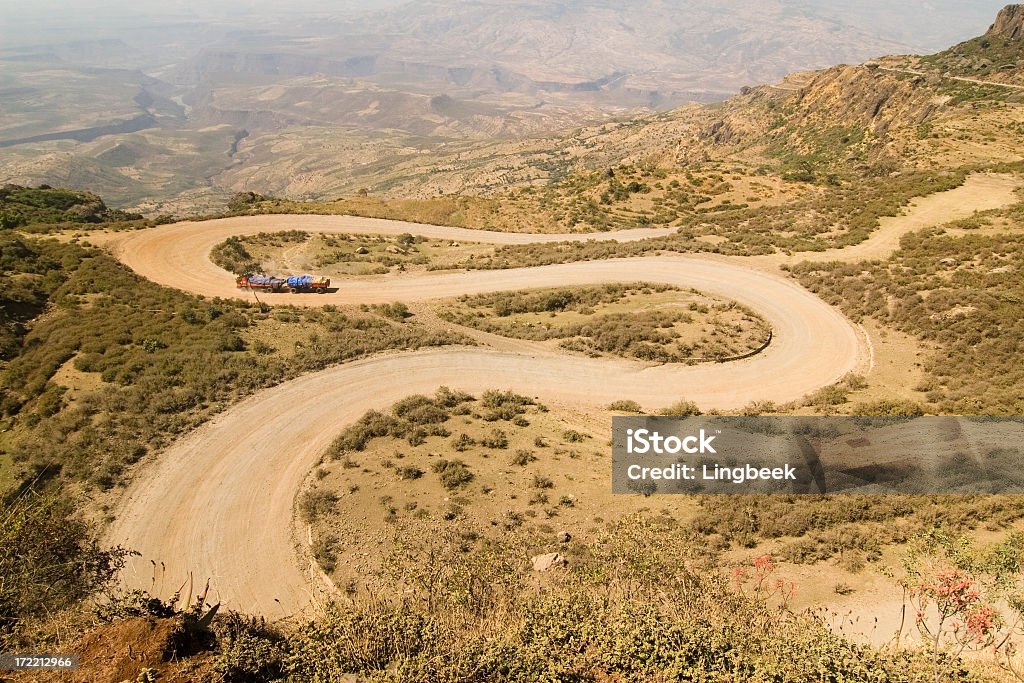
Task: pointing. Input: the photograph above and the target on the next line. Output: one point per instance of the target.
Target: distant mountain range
(179, 107)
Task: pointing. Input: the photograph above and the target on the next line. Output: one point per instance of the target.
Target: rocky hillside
(996, 56)
(843, 121)
(1009, 24)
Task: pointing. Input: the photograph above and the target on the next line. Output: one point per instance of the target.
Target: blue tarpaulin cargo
(300, 280)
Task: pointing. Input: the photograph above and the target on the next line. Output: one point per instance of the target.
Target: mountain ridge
(1009, 23)
(322, 136)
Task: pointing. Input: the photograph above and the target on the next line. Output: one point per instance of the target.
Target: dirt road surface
(178, 255)
(219, 502)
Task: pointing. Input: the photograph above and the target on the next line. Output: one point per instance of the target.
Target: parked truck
(293, 284)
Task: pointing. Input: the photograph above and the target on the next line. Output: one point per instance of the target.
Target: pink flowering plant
(960, 598)
(759, 577)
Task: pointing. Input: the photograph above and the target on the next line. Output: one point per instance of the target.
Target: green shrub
(572, 436)
(232, 256)
(420, 410)
(681, 409)
(523, 458)
(370, 426)
(394, 311)
(409, 472)
(325, 552)
(503, 405)
(50, 560)
(496, 439)
(541, 482)
(315, 503)
(249, 650)
(626, 407)
(889, 408)
(448, 398)
(453, 473)
(826, 397)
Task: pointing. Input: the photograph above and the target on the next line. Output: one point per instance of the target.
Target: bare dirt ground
(219, 502)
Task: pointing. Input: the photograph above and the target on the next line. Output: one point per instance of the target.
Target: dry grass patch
(492, 463)
(641, 321)
(295, 252)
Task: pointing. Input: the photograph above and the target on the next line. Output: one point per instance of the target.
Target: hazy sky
(54, 21)
(59, 10)
(923, 24)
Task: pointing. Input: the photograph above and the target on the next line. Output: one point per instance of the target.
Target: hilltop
(47, 206)
(998, 55)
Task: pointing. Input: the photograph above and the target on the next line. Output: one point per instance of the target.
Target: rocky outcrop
(855, 96)
(547, 562)
(1009, 23)
(720, 132)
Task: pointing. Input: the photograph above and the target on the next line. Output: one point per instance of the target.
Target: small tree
(11, 219)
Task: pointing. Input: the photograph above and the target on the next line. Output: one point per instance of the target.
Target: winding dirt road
(219, 502)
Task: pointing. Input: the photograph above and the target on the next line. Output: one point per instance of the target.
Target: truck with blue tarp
(292, 283)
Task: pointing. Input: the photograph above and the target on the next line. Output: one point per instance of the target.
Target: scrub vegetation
(461, 530)
(499, 461)
(961, 293)
(641, 321)
(47, 209)
(638, 602)
(852, 530)
(118, 367)
(343, 255)
(50, 561)
(832, 216)
(812, 220)
(617, 197)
